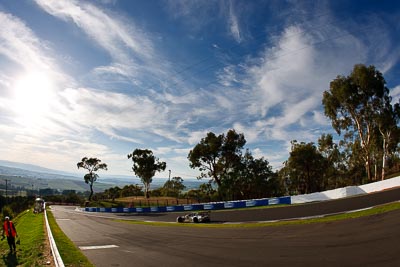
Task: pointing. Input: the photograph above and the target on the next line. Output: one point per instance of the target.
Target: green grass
(331, 218)
(30, 229)
(70, 254)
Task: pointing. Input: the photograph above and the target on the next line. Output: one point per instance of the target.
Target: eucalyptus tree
(145, 166)
(336, 167)
(173, 187)
(388, 120)
(217, 156)
(253, 178)
(131, 190)
(306, 168)
(92, 165)
(353, 103)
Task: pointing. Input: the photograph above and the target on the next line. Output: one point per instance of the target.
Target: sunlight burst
(33, 95)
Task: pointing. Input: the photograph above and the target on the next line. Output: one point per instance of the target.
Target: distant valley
(22, 176)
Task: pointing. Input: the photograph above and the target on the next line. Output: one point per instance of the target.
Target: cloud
(134, 58)
(233, 22)
(292, 75)
(24, 49)
(395, 93)
(110, 33)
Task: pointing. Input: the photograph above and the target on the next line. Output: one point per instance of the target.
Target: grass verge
(30, 229)
(70, 254)
(329, 218)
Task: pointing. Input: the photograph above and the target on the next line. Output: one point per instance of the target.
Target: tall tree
(215, 155)
(255, 179)
(352, 104)
(145, 166)
(388, 120)
(131, 190)
(92, 165)
(306, 167)
(335, 168)
(173, 187)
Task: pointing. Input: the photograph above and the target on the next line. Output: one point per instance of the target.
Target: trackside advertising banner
(207, 206)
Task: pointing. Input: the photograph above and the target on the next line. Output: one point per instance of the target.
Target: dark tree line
(12, 206)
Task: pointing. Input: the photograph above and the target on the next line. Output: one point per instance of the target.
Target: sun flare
(33, 94)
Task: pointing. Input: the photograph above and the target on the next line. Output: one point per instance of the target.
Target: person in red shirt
(10, 231)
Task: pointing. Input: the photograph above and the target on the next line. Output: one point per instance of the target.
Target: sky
(102, 78)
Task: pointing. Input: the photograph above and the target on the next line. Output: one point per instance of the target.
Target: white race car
(194, 217)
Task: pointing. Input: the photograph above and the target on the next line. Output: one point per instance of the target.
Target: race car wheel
(180, 219)
(195, 220)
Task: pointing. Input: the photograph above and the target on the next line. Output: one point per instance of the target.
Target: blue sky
(101, 78)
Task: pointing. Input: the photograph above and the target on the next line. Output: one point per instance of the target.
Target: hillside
(22, 176)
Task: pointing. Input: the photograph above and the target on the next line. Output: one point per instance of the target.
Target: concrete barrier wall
(347, 191)
(382, 185)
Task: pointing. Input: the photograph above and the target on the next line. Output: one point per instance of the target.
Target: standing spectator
(10, 231)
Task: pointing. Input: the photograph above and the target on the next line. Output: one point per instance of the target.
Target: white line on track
(97, 247)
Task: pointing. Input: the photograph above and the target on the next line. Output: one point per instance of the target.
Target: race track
(367, 241)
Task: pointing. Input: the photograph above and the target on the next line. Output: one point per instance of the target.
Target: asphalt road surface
(367, 241)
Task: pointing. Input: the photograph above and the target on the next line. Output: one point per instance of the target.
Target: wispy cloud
(293, 75)
(233, 22)
(110, 33)
(130, 47)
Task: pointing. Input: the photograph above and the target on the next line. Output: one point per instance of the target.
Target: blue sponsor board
(229, 205)
(105, 209)
(197, 207)
(117, 210)
(158, 209)
(214, 206)
(251, 203)
(146, 209)
(162, 209)
(262, 202)
(175, 208)
(256, 202)
(170, 208)
(240, 204)
(273, 201)
(188, 207)
(179, 208)
(235, 204)
(208, 206)
(285, 200)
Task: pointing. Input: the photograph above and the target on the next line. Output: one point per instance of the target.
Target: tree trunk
(368, 168)
(384, 159)
(91, 192)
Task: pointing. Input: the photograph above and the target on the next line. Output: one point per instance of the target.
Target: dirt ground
(48, 259)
